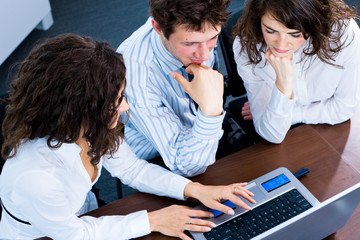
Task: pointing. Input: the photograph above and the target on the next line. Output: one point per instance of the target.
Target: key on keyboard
(261, 218)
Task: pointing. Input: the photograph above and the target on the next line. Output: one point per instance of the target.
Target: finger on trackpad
(258, 194)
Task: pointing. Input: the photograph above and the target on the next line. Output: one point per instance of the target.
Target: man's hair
(67, 83)
(191, 13)
(323, 21)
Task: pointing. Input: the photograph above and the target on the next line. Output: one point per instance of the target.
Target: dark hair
(192, 13)
(67, 83)
(321, 20)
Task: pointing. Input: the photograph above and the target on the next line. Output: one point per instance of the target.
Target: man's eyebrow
(296, 31)
(200, 42)
(215, 36)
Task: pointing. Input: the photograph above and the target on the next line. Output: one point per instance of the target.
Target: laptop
(284, 209)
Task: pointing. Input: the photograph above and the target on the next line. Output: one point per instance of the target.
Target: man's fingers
(184, 83)
(245, 111)
(193, 68)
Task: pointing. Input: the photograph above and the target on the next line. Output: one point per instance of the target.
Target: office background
(107, 20)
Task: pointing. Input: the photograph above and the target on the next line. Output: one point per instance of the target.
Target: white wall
(17, 19)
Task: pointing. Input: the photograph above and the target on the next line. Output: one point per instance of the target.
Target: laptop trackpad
(258, 194)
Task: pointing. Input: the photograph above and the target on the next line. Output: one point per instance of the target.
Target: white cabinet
(18, 18)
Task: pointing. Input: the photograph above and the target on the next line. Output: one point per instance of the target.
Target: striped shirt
(163, 118)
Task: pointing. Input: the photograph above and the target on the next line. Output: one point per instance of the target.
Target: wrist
(214, 112)
(152, 221)
(191, 189)
(285, 89)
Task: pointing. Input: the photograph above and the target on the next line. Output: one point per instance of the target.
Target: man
(174, 45)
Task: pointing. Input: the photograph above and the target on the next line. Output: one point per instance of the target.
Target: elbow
(272, 138)
(276, 141)
(190, 165)
(191, 169)
(193, 172)
(271, 132)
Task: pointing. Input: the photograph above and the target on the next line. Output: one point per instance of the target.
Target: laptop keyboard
(261, 218)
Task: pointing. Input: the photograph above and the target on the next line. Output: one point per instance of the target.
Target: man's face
(191, 46)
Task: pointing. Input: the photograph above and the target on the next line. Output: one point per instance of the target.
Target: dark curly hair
(321, 20)
(191, 13)
(67, 83)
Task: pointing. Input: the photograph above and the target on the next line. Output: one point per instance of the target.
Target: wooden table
(345, 139)
(331, 153)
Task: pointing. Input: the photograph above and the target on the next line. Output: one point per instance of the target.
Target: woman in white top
(61, 127)
(299, 61)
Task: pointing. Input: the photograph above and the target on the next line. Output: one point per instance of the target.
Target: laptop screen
(275, 182)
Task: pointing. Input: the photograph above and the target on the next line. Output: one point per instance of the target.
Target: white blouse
(322, 93)
(49, 188)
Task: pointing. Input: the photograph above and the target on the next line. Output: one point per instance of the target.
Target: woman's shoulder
(349, 30)
(351, 25)
(38, 153)
(349, 39)
(28, 169)
(353, 28)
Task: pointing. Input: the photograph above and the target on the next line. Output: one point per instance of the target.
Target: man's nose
(203, 52)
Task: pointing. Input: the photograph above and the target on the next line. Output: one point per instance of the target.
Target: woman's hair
(191, 13)
(66, 84)
(323, 21)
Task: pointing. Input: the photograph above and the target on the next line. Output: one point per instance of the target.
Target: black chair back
(233, 82)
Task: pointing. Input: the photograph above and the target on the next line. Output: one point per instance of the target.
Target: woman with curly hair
(62, 125)
(299, 61)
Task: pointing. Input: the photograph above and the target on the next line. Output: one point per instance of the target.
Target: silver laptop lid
(265, 188)
(319, 221)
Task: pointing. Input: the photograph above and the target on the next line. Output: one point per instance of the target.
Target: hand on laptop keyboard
(174, 220)
(211, 196)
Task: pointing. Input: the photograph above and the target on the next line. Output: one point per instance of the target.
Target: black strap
(17, 219)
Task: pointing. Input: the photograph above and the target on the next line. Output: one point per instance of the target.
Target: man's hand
(245, 112)
(206, 89)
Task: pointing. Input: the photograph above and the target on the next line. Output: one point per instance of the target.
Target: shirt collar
(166, 60)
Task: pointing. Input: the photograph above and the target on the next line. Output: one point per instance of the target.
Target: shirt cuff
(177, 188)
(139, 218)
(280, 104)
(206, 127)
(297, 115)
